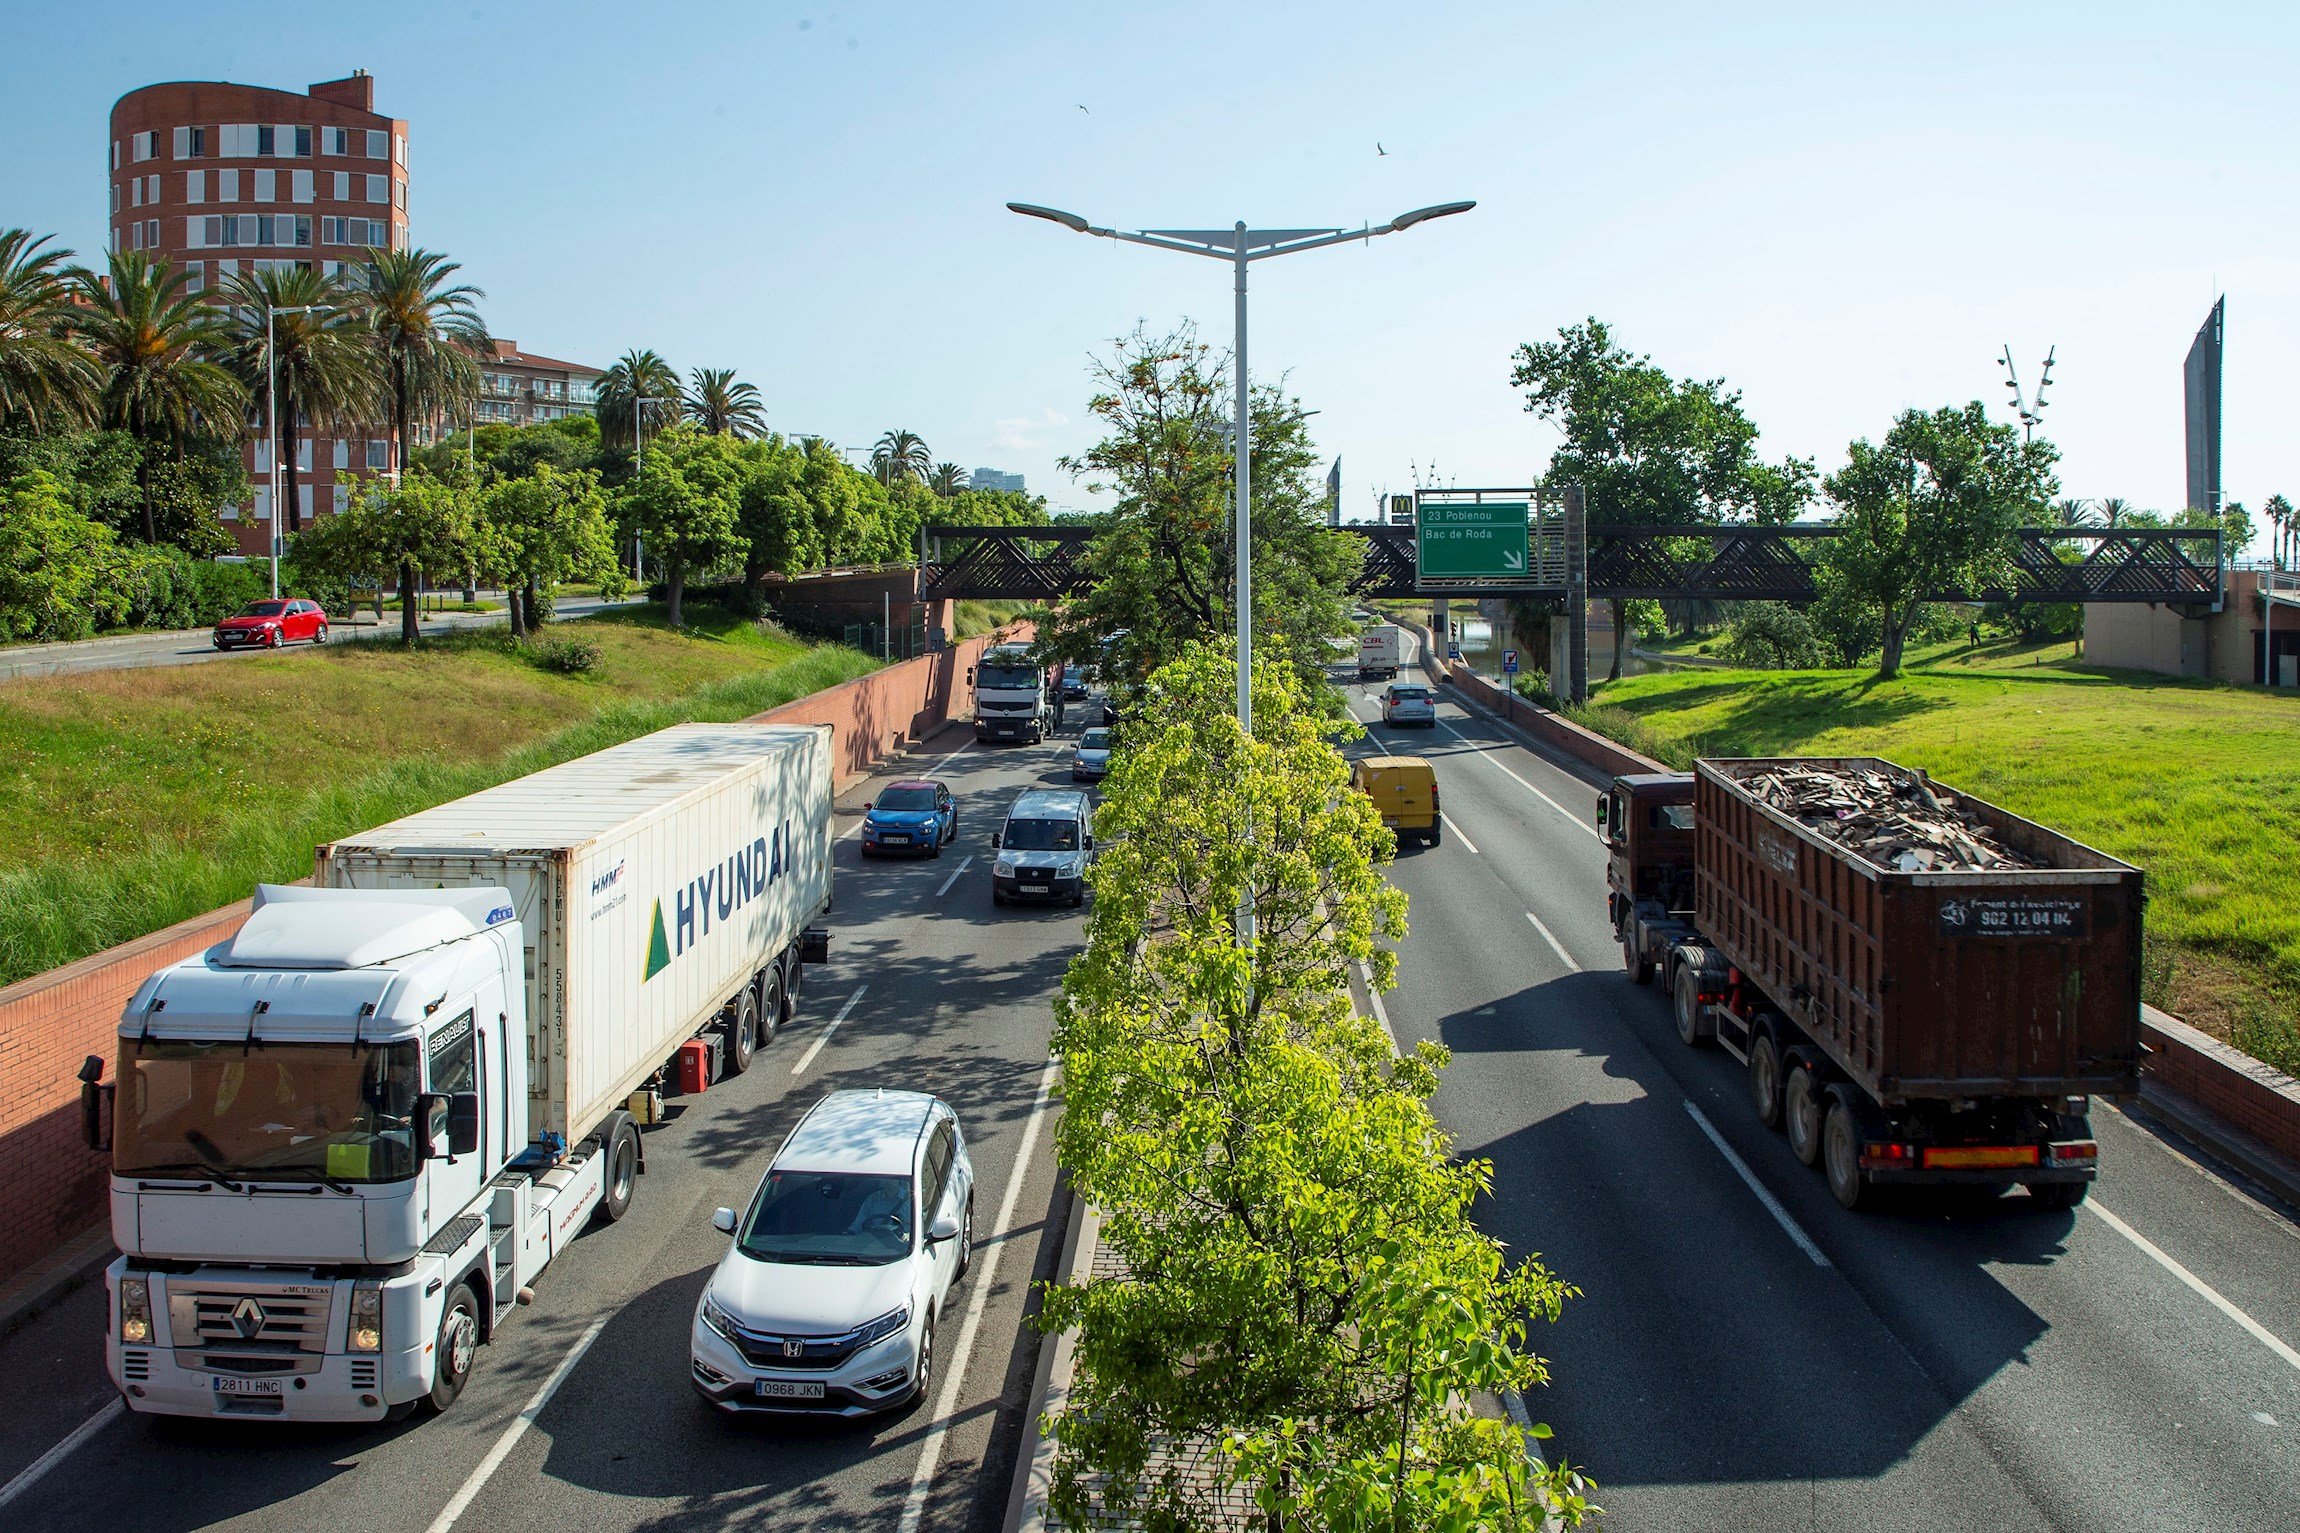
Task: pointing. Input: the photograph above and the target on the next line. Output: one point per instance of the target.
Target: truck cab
(1010, 701)
(1646, 819)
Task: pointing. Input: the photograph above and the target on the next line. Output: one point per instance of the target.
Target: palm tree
(900, 455)
(154, 346)
(2114, 509)
(636, 375)
(2072, 512)
(2280, 516)
(45, 379)
(721, 405)
(947, 479)
(427, 338)
(322, 370)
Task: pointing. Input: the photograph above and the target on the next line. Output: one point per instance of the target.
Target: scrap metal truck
(1923, 987)
(346, 1140)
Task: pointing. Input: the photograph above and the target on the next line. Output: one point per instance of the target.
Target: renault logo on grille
(793, 1347)
(248, 1319)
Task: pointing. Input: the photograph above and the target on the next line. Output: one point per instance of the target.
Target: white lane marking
(1457, 835)
(518, 1429)
(1381, 1012)
(1772, 1204)
(954, 1374)
(2210, 1295)
(1555, 946)
(808, 1057)
(1484, 754)
(31, 1472)
(946, 883)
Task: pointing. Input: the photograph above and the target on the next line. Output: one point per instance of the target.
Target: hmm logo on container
(716, 894)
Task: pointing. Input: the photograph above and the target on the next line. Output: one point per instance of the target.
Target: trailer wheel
(1841, 1156)
(2058, 1194)
(774, 1002)
(456, 1350)
(741, 1030)
(622, 1154)
(1801, 1115)
(1765, 1079)
(1686, 993)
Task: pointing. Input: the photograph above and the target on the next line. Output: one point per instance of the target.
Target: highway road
(1746, 1354)
(192, 646)
(927, 987)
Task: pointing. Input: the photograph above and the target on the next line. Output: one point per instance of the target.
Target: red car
(273, 623)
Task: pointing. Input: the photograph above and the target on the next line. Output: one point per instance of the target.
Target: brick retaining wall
(2262, 1101)
(52, 1187)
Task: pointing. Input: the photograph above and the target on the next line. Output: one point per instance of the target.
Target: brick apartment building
(221, 178)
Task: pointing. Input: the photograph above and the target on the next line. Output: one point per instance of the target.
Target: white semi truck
(1380, 649)
(345, 1141)
(1010, 701)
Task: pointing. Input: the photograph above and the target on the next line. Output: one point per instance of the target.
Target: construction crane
(2031, 416)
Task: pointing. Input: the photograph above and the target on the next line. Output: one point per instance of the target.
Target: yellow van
(1404, 789)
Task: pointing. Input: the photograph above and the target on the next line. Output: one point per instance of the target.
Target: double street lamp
(272, 418)
(1240, 246)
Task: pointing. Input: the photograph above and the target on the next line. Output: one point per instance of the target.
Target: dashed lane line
(1467, 843)
(2204, 1290)
(1555, 946)
(518, 1429)
(1772, 1204)
(1485, 754)
(963, 865)
(808, 1057)
(31, 1473)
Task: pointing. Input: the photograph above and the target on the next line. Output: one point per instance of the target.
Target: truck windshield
(1040, 836)
(271, 1111)
(1006, 678)
(833, 1218)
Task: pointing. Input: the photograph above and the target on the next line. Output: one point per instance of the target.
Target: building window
(331, 141)
(378, 455)
(152, 234)
(400, 150)
(398, 192)
(267, 139)
(236, 140)
(267, 186)
(342, 456)
(303, 143)
(263, 499)
(227, 186)
(193, 279)
(143, 146)
(195, 186)
(300, 181)
(115, 196)
(342, 498)
(115, 154)
(135, 191)
(135, 236)
(378, 144)
(152, 190)
(191, 143)
(226, 270)
(342, 191)
(377, 190)
(302, 223)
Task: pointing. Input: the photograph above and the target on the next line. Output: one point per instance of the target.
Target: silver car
(828, 1298)
(1090, 762)
(1404, 704)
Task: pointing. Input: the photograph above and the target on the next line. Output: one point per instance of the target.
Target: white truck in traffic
(1010, 701)
(346, 1140)
(1380, 649)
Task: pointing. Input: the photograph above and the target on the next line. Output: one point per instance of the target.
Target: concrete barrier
(53, 1188)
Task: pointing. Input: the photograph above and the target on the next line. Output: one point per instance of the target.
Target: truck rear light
(365, 1333)
(1881, 1155)
(2072, 1152)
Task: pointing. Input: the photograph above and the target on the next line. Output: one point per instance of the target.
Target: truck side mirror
(994, 839)
(1090, 843)
(1604, 808)
(95, 1131)
(463, 1123)
(970, 675)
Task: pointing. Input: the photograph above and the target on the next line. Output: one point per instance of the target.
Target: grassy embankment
(2196, 782)
(972, 619)
(133, 799)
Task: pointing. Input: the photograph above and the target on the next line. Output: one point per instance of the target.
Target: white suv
(827, 1299)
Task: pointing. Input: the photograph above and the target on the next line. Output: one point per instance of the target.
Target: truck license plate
(232, 1386)
(786, 1389)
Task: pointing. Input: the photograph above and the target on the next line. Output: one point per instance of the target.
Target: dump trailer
(346, 1141)
(1925, 988)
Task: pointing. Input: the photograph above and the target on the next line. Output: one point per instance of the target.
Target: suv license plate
(235, 1386)
(786, 1389)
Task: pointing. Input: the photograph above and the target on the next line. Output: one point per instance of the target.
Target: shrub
(567, 657)
(1773, 636)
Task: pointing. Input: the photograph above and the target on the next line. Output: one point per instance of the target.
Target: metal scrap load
(1899, 822)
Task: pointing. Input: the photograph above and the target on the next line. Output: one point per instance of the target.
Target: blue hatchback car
(912, 818)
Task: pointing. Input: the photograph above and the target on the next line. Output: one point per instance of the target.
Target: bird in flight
(1378, 149)
(1082, 108)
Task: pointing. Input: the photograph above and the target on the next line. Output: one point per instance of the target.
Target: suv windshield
(906, 801)
(1040, 836)
(285, 1111)
(833, 1218)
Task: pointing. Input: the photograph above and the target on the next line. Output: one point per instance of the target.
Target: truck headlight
(366, 1330)
(135, 1310)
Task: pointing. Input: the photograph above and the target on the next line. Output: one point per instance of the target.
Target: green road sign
(1470, 540)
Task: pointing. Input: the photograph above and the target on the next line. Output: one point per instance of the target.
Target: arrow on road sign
(1513, 562)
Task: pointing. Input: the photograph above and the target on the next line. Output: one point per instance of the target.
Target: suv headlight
(718, 1319)
(135, 1310)
(365, 1333)
(884, 1326)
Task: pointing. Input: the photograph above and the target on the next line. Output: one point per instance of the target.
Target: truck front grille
(250, 1317)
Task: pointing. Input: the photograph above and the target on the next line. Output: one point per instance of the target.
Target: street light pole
(1240, 245)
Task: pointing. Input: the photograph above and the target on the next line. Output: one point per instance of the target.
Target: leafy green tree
(56, 566)
(46, 380)
(503, 451)
(1162, 565)
(543, 528)
(1649, 448)
(717, 402)
(421, 528)
(1303, 1283)
(633, 377)
(427, 336)
(900, 455)
(322, 368)
(687, 503)
(1774, 636)
(154, 343)
(1932, 508)
(106, 474)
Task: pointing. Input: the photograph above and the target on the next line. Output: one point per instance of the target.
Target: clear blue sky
(1840, 210)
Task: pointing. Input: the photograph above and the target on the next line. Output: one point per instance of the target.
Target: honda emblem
(793, 1347)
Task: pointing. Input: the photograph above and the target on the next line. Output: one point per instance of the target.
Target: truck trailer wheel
(741, 1030)
(1841, 1156)
(1686, 996)
(622, 1154)
(1765, 1079)
(456, 1350)
(1801, 1114)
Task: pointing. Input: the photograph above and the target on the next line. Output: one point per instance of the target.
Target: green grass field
(133, 799)
(2195, 782)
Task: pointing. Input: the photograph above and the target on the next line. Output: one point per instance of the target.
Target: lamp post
(1241, 246)
(272, 419)
(639, 403)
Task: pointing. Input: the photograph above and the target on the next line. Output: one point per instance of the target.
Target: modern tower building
(2200, 397)
(223, 178)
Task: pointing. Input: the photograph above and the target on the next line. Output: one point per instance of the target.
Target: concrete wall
(2143, 636)
(52, 1188)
